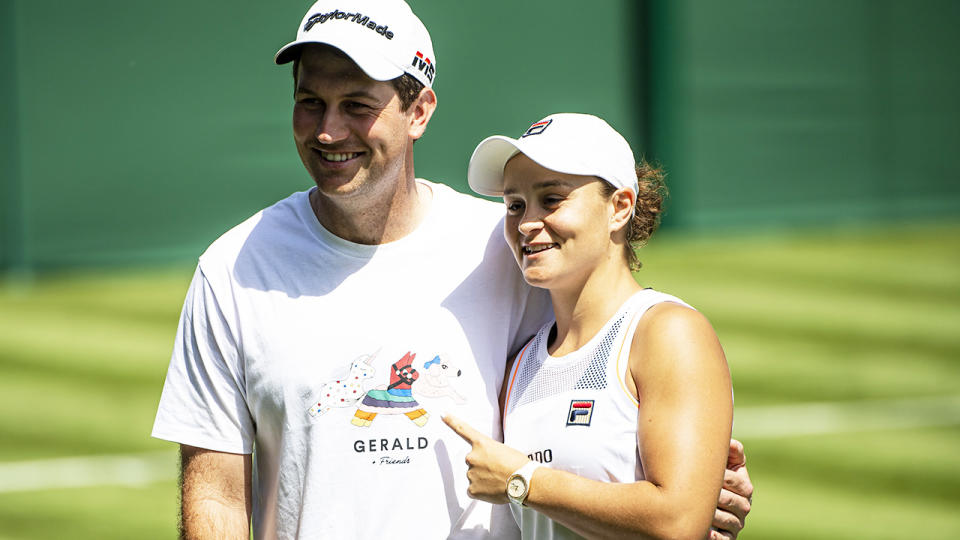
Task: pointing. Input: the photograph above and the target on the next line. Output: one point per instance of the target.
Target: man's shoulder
(465, 207)
(261, 228)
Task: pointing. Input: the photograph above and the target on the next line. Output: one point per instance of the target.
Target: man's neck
(378, 219)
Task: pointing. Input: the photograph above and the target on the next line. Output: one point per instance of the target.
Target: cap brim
(374, 65)
(485, 173)
(287, 53)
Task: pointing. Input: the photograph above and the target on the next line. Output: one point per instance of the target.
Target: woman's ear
(622, 202)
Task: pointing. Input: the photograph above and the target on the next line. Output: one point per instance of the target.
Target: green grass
(842, 315)
(83, 361)
(108, 513)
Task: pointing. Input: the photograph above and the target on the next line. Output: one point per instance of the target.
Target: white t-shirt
(575, 412)
(333, 361)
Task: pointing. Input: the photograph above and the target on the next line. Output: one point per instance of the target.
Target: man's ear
(622, 202)
(421, 111)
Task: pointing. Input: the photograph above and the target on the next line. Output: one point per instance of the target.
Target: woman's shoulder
(672, 335)
(670, 320)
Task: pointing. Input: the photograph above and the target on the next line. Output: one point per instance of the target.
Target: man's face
(349, 129)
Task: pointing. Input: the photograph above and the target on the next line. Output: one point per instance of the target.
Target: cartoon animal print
(396, 398)
(347, 391)
(436, 381)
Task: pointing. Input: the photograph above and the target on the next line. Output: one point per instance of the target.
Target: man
(327, 333)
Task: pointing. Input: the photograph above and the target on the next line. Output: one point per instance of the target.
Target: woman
(617, 416)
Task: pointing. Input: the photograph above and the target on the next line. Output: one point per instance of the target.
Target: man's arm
(735, 497)
(215, 494)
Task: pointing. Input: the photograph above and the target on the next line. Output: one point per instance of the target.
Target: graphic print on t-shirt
(396, 398)
(434, 379)
(346, 391)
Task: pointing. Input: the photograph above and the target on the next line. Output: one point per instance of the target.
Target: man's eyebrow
(540, 185)
(354, 94)
(300, 90)
(362, 94)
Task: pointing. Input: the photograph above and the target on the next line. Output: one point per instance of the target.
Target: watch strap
(526, 473)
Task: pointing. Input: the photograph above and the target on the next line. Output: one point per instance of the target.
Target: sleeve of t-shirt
(204, 399)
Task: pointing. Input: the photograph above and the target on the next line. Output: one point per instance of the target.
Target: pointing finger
(463, 429)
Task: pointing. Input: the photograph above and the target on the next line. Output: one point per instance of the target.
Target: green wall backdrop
(11, 230)
(786, 112)
(135, 133)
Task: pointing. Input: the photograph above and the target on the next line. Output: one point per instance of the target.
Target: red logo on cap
(424, 64)
(424, 58)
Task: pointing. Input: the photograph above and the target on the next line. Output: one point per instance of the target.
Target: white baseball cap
(383, 37)
(568, 143)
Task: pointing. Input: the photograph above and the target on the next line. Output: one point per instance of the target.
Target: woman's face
(558, 225)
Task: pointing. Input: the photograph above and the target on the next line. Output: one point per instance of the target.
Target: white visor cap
(568, 143)
(383, 37)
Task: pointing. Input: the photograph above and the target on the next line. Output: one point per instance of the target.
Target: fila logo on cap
(424, 64)
(537, 128)
(581, 412)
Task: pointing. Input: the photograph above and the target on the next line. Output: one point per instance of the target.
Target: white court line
(823, 418)
(768, 422)
(133, 470)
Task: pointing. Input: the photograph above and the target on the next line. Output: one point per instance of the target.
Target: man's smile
(338, 156)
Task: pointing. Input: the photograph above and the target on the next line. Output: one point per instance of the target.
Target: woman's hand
(489, 463)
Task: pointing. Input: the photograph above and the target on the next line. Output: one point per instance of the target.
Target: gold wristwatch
(518, 483)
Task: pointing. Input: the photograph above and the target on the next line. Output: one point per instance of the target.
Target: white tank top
(575, 412)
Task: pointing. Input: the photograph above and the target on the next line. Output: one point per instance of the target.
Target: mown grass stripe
(779, 421)
(845, 417)
(123, 470)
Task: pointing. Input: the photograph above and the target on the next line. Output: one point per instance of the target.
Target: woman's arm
(681, 376)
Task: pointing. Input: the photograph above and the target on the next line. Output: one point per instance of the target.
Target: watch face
(516, 487)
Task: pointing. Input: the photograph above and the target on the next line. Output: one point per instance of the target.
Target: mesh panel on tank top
(582, 369)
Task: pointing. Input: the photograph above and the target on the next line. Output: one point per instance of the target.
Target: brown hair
(407, 87)
(649, 208)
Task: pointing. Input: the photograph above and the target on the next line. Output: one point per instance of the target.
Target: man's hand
(489, 463)
(735, 497)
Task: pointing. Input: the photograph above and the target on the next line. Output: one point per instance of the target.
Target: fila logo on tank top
(575, 412)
